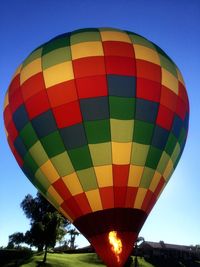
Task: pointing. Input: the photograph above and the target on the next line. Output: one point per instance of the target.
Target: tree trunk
(45, 254)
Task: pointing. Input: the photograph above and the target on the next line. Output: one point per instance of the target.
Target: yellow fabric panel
(155, 181)
(31, 69)
(180, 77)
(135, 174)
(94, 199)
(121, 130)
(146, 53)
(38, 153)
(73, 184)
(49, 171)
(17, 71)
(115, 36)
(87, 49)
(65, 214)
(168, 170)
(54, 195)
(121, 152)
(6, 101)
(170, 81)
(104, 175)
(58, 73)
(141, 193)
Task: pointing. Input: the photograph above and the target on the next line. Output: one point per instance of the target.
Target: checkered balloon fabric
(97, 119)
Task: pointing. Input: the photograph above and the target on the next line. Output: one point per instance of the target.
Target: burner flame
(116, 244)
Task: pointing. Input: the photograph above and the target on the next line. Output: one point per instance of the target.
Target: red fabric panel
(88, 66)
(183, 95)
(130, 196)
(67, 115)
(120, 65)
(168, 98)
(33, 85)
(148, 90)
(14, 85)
(148, 70)
(181, 108)
(62, 93)
(15, 100)
(107, 197)
(119, 196)
(93, 86)
(37, 104)
(61, 189)
(165, 117)
(120, 175)
(114, 48)
(159, 186)
(85, 206)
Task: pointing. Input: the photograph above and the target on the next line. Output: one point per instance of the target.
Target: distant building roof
(162, 245)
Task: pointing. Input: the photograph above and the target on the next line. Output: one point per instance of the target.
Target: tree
(47, 225)
(73, 233)
(15, 240)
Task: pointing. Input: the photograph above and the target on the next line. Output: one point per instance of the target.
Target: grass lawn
(71, 260)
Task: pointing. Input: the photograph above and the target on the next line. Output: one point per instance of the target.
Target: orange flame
(116, 243)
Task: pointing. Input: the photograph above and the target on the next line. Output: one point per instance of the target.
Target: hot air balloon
(97, 119)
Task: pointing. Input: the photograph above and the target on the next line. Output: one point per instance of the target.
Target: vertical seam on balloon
(133, 115)
(99, 29)
(83, 127)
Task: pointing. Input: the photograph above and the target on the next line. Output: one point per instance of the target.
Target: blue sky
(171, 24)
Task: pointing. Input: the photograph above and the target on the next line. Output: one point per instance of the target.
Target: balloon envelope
(97, 119)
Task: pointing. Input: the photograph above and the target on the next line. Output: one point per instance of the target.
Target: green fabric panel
(97, 131)
(28, 135)
(87, 179)
(63, 164)
(38, 153)
(147, 176)
(55, 44)
(153, 157)
(143, 132)
(52, 200)
(86, 36)
(30, 163)
(122, 108)
(34, 55)
(101, 154)
(121, 130)
(56, 56)
(168, 65)
(40, 186)
(41, 178)
(182, 137)
(171, 143)
(80, 158)
(161, 52)
(53, 144)
(139, 154)
(163, 162)
(175, 153)
(136, 39)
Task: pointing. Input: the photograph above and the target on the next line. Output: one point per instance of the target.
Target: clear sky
(171, 24)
